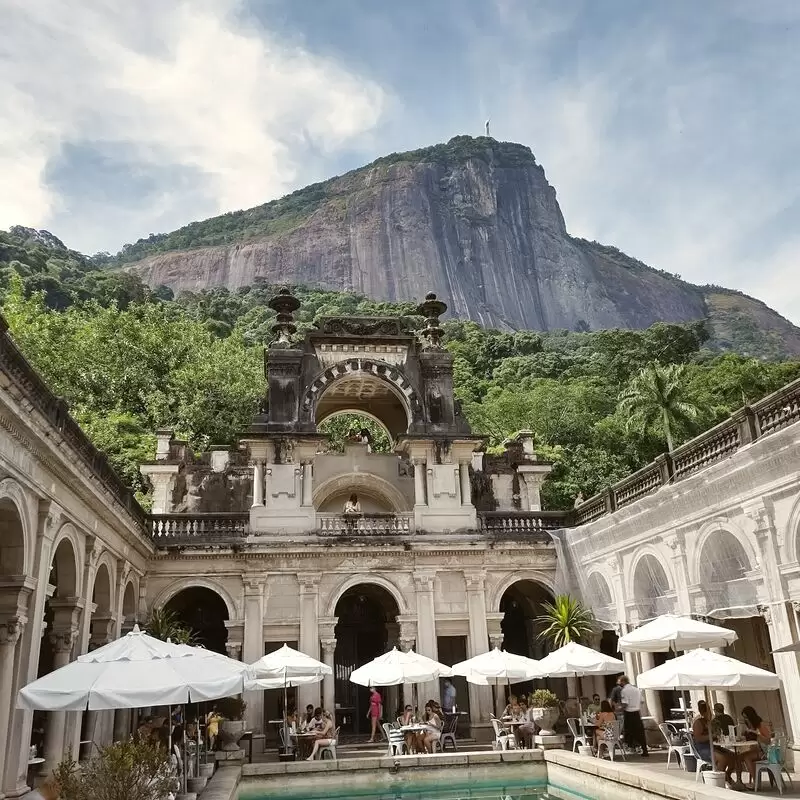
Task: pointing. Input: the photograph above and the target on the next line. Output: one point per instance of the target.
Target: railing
(523, 523)
(365, 524)
(179, 530)
(56, 411)
(774, 412)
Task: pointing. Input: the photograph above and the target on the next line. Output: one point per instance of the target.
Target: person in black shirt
(721, 721)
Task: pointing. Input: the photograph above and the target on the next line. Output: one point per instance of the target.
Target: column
(496, 640)
(253, 644)
(651, 697)
(62, 639)
(426, 625)
(309, 631)
(308, 483)
(258, 484)
(721, 695)
(10, 632)
(480, 697)
(100, 724)
(466, 487)
(328, 682)
(420, 498)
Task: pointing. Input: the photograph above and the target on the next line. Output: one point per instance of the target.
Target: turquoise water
(407, 790)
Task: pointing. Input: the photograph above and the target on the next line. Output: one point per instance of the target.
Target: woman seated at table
(322, 733)
(605, 717)
(701, 732)
(524, 733)
(758, 732)
(291, 721)
(410, 738)
(432, 732)
(512, 703)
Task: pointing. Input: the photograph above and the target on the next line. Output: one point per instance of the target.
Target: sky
(670, 129)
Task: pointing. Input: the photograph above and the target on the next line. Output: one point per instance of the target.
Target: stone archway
(375, 493)
(129, 613)
(722, 567)
(366, 628)
(204, 613)
(652, 592)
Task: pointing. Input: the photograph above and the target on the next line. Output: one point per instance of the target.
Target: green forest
(129, 360)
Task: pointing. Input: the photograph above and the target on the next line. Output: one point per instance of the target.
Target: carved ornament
(10, 631)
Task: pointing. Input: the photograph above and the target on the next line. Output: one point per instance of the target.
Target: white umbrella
(498, 667)
(671, 632)
(573, 660)
(702, 669)
(134, 671)
(398, 666)
(794, 647)
(286, 664)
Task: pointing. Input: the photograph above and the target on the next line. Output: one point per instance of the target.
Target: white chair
(611, 740)
(329, 748)
(397, 745)
(670, 735)
(776, 770)
(287, 746)
(701, 762)
(578, 739)
(503, 740)
(450, 734)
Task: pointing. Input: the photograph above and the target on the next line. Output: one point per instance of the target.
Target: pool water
(406, 790)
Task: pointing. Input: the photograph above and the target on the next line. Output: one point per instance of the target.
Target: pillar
(10, 632)
(253, 645)
(480, 697)
(309, 631)
(162, 478)
(651, 697)
(420, 498)
(426, 626)
(258, 484)
(62, 640)
(328, 682)
(308, 483)
(466, 487)
(496, 641)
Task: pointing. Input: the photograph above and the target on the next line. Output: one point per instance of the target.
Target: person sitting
(291, 722)
(757, 731)
(309, 715)
(524, 733)
(721, 722)
(701, 732)
(410, 739)
(432, 720)
(352, 506)
(604, 718)
(593, 707)
(512, 701)
(323, 732)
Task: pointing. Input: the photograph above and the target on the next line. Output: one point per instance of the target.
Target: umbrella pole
(710, 731)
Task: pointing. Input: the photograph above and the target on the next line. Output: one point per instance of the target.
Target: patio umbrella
(704, 669)
(498, 667)
(399, 666)
(134, 671)
(671, 632)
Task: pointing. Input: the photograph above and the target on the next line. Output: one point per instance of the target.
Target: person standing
(616, 706)
(449, 696)
(631, 699)
(374, 713)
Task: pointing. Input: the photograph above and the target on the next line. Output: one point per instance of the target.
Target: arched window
(723, 568)
(651, 589)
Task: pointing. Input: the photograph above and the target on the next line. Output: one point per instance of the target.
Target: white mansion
(451, 554)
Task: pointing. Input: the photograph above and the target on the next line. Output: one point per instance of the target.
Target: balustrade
(522, 522)
(365, 524)
(176, 529)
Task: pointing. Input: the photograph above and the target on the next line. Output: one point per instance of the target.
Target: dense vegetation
(129, 360)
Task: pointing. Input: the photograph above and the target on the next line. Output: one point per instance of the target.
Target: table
(305, 744)
(33, 762)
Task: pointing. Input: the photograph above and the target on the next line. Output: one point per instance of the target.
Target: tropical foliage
(565, 620)
(164, 624)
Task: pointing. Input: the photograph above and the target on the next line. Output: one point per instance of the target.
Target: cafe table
(305, 744)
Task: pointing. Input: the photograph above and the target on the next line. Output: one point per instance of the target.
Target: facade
(450, 553)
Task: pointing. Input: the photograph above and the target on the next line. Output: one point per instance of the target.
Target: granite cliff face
(474, 220)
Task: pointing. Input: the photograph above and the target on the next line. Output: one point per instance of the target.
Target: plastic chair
(286, 746)
(612, 743)
(578, 739)
(397, 744)
(329, 748)
(450, 734)
(775, 769)
(670, 733)
(503, 740)
(701, 762)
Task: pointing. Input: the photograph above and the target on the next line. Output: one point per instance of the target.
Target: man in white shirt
(632, 705)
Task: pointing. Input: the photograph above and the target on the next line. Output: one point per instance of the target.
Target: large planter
(230, 732)
(545, 719)
(714, 778)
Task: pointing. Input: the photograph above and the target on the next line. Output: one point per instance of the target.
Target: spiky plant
(565, 620)
(164, 624)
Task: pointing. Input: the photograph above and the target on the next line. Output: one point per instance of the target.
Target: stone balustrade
(177, 530)
(523, 523)
(374, 524)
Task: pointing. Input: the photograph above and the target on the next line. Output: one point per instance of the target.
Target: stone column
(328, 682)
(683, 601)
(309, 631)
(651, 697)
(258, 483)
(466, 487)
(162, 479)
(253, 644)
(10, 632)
(721, 695)
(62, 639)
(496, 640)
(426, 625)
(308, 483)
(480, 697)
(420, 497)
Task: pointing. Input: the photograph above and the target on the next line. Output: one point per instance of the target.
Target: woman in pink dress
(375, 708)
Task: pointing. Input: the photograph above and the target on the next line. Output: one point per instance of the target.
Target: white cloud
(187, 85)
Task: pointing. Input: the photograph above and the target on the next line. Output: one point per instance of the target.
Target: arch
(722, 566)
(534, 576)
(204, 612)
(358, 412)
(101, 592)
(13, 540)
(354, 580)
(598, 586)
(129, 601)
(651, 589)
(361, 483)
(663, 564)
(707, 533)
(168, 592)
(791, 537)
(65, 563)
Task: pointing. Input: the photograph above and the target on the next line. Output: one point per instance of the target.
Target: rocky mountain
(474, 220)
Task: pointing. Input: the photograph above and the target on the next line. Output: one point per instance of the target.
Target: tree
(657, 397)
(565, 620)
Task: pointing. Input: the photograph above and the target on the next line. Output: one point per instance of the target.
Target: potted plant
(545, 711)
(231, 729)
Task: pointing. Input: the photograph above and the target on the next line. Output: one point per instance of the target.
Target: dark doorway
(204, 612)
(365, 614)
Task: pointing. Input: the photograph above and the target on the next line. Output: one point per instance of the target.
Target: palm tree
(164, 624)
(656, 396)
(565, 620)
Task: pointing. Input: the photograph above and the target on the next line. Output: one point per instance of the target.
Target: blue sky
(669, 129)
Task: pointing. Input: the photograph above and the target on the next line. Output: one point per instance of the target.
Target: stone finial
(432, 309)
(284, 304)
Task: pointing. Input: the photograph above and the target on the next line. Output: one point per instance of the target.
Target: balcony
(523, 524)
(198, 530)
(365, 524)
